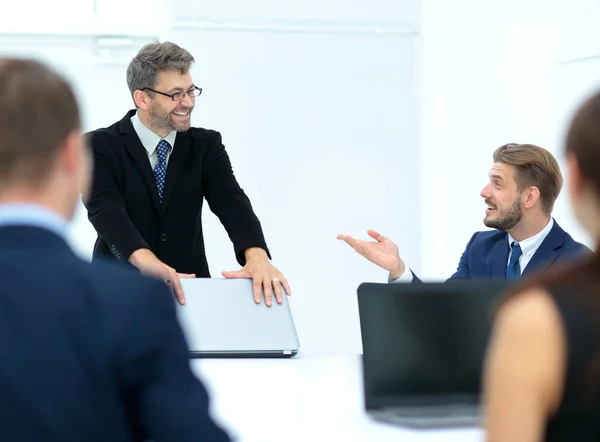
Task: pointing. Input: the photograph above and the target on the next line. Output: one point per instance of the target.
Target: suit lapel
(138, 152)
(180, 151)
(546, 253)
(500, 258)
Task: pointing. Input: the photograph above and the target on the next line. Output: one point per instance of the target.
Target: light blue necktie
(513, 270)
(160, 171)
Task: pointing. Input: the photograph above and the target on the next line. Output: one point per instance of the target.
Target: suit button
(164, 237)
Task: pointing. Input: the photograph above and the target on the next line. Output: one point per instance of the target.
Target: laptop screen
(423, 341)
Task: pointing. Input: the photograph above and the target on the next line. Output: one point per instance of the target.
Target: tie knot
(162, 149)
(516, 252)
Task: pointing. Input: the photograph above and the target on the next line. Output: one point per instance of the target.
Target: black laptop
(424, 346)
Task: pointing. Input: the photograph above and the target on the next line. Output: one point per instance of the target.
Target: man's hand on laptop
(382, 252)
(264, 275)
(149, 264)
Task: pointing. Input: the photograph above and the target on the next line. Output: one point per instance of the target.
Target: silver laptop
(423, 350)
(221, 319)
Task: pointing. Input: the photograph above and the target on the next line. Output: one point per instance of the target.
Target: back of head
(583, 142)
(535, 166)
(154, 58)
(38, 111)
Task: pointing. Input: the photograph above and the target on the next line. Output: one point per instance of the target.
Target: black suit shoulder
(111, 130)
(104, 140)
(206, 135)
(210, 141)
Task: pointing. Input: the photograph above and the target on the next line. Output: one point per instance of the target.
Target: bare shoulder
(527, 357)
(529, 315)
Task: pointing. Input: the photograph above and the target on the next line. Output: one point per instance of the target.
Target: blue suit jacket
(91, 352)
(486, 255)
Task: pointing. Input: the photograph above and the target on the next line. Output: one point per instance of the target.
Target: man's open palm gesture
(382, 251)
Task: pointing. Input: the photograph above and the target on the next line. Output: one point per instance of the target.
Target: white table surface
(308, 398)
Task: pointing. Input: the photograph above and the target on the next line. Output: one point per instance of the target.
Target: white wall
(490, 76)
(338, 119)
(316, 102)
(322, 129)
(344, 12)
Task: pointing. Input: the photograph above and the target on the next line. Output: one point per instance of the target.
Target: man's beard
(160, 119)
(507, 219)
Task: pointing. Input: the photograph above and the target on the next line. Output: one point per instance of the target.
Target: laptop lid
(220, 318)
(425, 343)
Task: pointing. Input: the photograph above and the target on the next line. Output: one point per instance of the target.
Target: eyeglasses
(178, 96)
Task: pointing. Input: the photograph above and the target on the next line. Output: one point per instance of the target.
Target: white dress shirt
(528, 246)
(150, 140)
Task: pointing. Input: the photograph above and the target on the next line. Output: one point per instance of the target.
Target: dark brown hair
(535, 167)
(38, 110)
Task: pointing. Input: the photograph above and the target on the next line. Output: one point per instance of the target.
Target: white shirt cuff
(405, 277)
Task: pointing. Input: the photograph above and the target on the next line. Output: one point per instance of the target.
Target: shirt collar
(33, 215)
(148, 138)
(531, 244)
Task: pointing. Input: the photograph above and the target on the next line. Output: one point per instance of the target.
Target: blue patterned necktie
(513, 270)
(160, 171)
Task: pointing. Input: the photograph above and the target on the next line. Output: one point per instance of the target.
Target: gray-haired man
(152, 173)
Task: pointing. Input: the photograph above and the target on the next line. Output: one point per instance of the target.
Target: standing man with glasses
(152, 173)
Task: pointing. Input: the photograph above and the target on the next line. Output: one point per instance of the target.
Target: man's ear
(70, 151)
(141, 99)
(532, 195)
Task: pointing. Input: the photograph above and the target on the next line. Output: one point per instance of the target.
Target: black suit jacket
(124, 208)
(91, 352)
